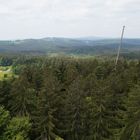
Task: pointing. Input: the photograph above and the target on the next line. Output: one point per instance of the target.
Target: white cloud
(37, 18)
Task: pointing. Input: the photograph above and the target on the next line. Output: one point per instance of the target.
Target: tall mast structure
(119, 48)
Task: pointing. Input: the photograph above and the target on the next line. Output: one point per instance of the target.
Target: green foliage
(24, 97)
(5, 87)
(63, 98)
(4, 118)
(45, 111)
(132, 129)
(17, 129)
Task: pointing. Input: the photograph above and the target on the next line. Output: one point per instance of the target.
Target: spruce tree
(132, 128)
(23, 97)
(44, 118)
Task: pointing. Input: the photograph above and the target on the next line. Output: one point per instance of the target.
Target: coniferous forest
(66, 98)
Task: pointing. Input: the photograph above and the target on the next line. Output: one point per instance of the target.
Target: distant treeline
(65, 98)
(68, 46)
(7, 59)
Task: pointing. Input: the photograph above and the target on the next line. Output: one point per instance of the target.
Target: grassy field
(5, 72)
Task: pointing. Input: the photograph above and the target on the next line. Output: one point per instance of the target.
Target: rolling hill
(77, 46)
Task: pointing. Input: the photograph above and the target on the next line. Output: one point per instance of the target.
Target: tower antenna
(119, 48)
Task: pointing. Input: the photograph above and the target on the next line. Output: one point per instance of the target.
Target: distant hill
(76, 46)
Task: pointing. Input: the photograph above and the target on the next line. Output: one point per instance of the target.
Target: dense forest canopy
(69, 98)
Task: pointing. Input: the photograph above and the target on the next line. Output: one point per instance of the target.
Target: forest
(70, 46)
(68, 98)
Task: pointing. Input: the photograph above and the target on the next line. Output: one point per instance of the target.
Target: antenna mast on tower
(119, 48)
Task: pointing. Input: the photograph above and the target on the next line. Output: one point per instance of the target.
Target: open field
(5, 72)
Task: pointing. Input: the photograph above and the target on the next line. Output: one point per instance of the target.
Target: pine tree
(76, 110)
(132, 128)
(23, 96)
(5, 88)
(4, 120)
(44, 117)
(101, 118)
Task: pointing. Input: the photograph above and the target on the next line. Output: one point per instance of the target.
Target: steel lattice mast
(119, 48)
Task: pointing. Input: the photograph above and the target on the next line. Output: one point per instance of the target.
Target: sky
(21, 19)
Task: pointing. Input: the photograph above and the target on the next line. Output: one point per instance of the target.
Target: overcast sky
(68, 18)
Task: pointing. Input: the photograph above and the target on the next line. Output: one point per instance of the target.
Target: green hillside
(68, 46)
